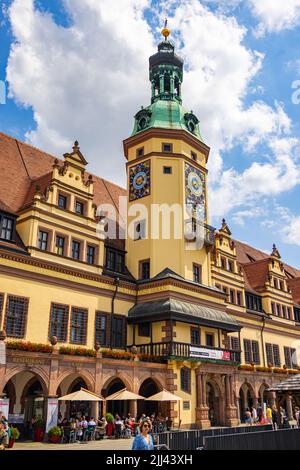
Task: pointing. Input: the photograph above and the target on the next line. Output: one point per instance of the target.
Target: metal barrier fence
(193, 439)
(281, 439)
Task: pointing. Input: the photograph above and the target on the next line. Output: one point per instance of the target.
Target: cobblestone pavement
(105, 444)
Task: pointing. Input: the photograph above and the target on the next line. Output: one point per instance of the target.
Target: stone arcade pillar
(289, 407)
(201, 409)
(231, 411)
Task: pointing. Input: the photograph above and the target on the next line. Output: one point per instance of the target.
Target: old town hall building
(217, 325)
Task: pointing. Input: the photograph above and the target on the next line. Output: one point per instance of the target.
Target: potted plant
(110, 424)
(39, 430)
(54, 435)
(14, 436)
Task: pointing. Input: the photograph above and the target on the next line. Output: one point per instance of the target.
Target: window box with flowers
(280, 370)
(293, 371)
(263, 369)
(29, 347)
(77, 351)
(110, 353)
(247, 367)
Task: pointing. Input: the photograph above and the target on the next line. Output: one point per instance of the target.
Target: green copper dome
(166, 110)
(166, 114)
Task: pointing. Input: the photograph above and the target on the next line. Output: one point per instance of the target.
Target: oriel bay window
(16, 316)
(78, 332)
(195, 336)
(253, 302)
(115, 260)
(59, 317)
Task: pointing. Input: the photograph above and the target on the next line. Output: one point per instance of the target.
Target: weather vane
(166, 32)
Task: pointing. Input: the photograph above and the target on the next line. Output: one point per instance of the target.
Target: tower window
(194, 156)
(167, 170)
(167, 148)
(145, 269)
(140, 152)
(197, 273)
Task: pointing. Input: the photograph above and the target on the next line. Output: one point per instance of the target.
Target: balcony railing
(170, 350)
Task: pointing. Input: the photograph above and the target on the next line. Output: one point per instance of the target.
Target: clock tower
(167, 180)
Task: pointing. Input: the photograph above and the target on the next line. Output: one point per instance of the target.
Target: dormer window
(62, 201)
(6, 228)
(79, 207)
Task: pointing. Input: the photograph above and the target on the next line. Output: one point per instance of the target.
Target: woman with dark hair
(143, 440)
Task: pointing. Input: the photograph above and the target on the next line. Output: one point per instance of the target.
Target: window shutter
(294, 358)
(255, 352)
(269, 352)
(101, 329)
(276, 354)
(247, 350)
(59, 320)
(78, 326)
(287, 356)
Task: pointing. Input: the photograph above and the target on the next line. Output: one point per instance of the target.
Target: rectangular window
(289, 313)
(210, 340)
(16, 316)
(230, 266)
(120, 263)
(101, 331)
(62, 201)
(75, 250)
(185, 379)
(140, 152)
(111, 259)
(194, 156)
(251, 351)
(195, 336)
(7, 227)
(239, 298)
(167, 170)
(144, 329)
(284, 311)
(273, 354)
(90, 254)
(79, 207)
(167, 148)
(297, 314)
(273, 308)
(223, 263)
(115, 260)
(232, 296)
(1, 307)
(144, 269)
(253, 302)
(118, 333)
(197, 271)
(275, 283)
(43, 240)
(225, 290)
(290, 357)
(282, 285)
(78, 325)
(60, 245)
(59, 318)
(234, 343)
(278, 309)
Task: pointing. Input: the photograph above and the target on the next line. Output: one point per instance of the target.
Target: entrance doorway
(147, 389)
(213, 403)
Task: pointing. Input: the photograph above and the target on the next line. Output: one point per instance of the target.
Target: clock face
(195, 194)
(139, 180)
(195, 184)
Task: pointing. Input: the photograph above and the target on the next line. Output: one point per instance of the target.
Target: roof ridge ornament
(166, 31)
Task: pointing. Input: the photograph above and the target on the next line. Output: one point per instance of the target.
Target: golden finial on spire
(165, 31)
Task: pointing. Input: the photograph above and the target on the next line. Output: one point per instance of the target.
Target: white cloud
(292, 231)
(275, 15)
(84, 82)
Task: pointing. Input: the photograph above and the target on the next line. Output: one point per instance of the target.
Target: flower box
(246, 367)
(263, 369)
(293, 371)
(29, 347)
(77, 351)
(110, 353)
(280, 370)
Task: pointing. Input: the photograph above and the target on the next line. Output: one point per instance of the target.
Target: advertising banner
(52, 413)
(204, 353)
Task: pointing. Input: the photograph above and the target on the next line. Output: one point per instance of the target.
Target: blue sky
(77, 69)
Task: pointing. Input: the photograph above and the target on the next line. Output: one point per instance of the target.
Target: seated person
(3, 437)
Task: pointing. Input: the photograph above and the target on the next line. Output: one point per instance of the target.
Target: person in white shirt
(254, 415)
